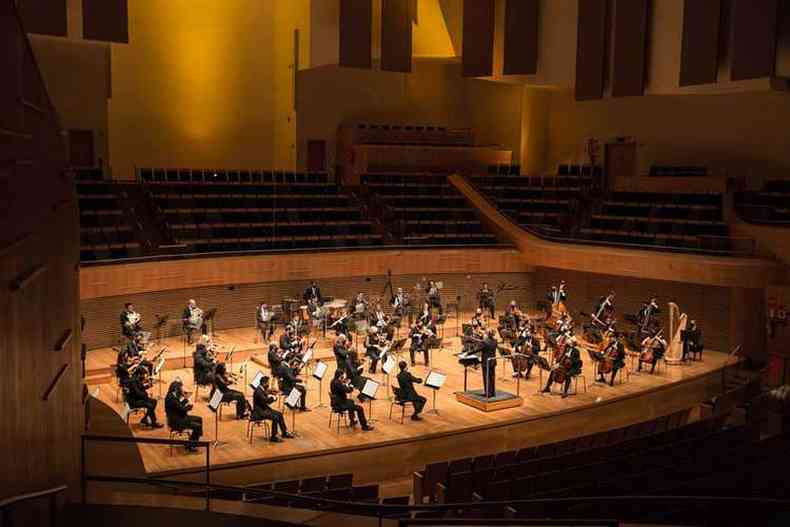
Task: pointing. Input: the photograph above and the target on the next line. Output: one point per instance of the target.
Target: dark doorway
(81, 148)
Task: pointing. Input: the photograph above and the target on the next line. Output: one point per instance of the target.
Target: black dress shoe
(367, 428)
(305, 409)
(275, 439)
(156, 425)
(416, 417)
(288, 435)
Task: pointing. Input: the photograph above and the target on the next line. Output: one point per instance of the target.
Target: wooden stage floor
(393, 449)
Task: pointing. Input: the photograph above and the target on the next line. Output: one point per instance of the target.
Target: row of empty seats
(254, 177)
(411, 134)
(678, 171)
(105, 232)
(677, 221)
(210, 217)
(427, 209)
(528, 200)
(771, 204)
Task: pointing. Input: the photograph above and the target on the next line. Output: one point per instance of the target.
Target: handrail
(214, 254)
(32, 495)
(388, 510)
(540, 233)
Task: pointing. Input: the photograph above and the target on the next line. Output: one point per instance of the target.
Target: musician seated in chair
(419, 336)
(486, 301)
(264, 317)
(289, 381)
(568, 366)
(513, 316)
(692, 341)
(222, 382)
(604, 311)
(653, 348)
(262, 398)
(340, 388)
(525, 344)
(177, 408)
(373, 347)
(406, 382)
(134, 351)
(313, 294)
(478, 323)
(137, 397)
(192, 320)
(130, 321)
(613, 360)
(203, 364)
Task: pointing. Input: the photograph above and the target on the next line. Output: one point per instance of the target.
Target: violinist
(612, 359)
(288, 375)
(340, 349)
(135, 352)
(568, 366)
(653, 348)
(340, 388)
(222, 382)
(130, 321)
(261, 410)
(486, 300)
(289, 341)
(137, 397)
(275, 358)
(177, 407)
(419, 335)
(478, 323)
(513, 315)
(374, 347)
(204, 362)
(426, 314)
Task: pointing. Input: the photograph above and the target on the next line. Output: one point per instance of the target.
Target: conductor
(488, 359)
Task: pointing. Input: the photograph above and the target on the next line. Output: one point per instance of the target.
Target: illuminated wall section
(431, 34)
(195, 87)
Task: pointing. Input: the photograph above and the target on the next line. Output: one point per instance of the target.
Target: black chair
(398, 401)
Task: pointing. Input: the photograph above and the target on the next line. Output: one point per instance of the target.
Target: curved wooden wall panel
(123, 279)
(751, 273)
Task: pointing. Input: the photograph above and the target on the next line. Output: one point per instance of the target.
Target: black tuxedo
(341, 356)
(178, 418)
(486, 301)
(274, 361)
(137, 397)
(488, 351)
(692, 342)
(222, 384)
(339, 392)
(312, 293)
(406, 383)
(261, 410)
(203, 366)
(289, 381)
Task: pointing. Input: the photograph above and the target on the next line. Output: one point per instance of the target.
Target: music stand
(243, 371)
(387, 368)
(435, 380)
(229, 357)
(161, 322)
(368, 393)
(318, 373)
(213, 405)
(292, 402)
(208, 320)
(158, 374)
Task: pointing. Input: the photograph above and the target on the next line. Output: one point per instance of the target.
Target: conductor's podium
(500, 401)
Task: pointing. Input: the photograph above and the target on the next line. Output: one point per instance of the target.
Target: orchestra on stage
(368, 338)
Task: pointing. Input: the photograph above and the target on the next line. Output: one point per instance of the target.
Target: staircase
(381, 216)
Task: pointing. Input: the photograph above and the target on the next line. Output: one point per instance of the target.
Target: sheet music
(256, 381)
(307, 355)
(213, 404)
(370, 388)
(435, 379)
(320, 370)
(388, 365)
(293, 398)
(125, 410)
